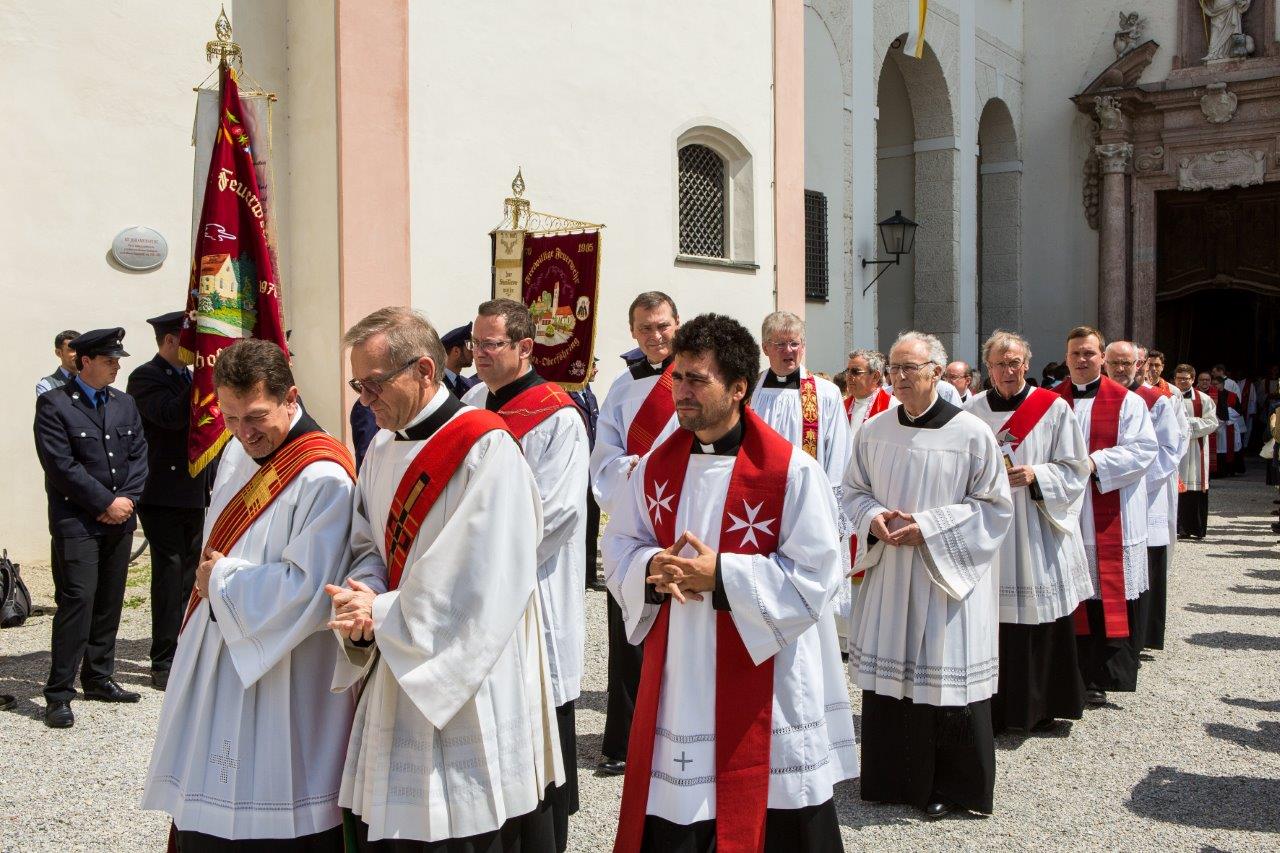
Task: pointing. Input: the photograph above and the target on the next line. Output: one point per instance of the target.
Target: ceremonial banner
(233, 291)
(508, 265)
(560, 276)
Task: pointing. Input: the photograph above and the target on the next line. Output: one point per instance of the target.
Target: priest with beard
(1193, 469)
(928, 495)
(1041, 565)
(637, 414)
(724, 556)
(244, 757)
(545, 420)
(1122, 446)
(454, 741)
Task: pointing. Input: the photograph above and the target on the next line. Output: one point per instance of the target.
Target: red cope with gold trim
(532, 406)
(743, 690)
(655, 412)
(1104, 432)
(878, 405)
(424, 481)
(265, 486)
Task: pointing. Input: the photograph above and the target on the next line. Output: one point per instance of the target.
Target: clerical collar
(725, 445)
(302, 424)
(1190, 393)
(1085, 392)
(1000, 404)
(497, 399)
(1137, 383)
(936, 416)
(773, 380)
(433, 416)
(643, 368)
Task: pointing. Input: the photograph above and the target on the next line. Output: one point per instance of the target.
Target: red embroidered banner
(560, 285)
(233, 291)
(743, 690)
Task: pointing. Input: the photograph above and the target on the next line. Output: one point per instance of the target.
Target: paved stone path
(1189, 762)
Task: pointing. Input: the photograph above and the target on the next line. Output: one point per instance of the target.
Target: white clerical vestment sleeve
(1064, 478)
(1207, 424)
(628, 547)
(861, 505)
(368, 568)
(961, 540)
(553, 452)
(265, 610)
(442, 631)
(777, 597)
(610, 462)
(1168, 440)
(1135, 448)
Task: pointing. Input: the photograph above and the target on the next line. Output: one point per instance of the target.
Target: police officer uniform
(173, 502)
(92, 448)
(456, 383)
(589, 408)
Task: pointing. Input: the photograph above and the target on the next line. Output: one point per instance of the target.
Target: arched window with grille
(703, 203)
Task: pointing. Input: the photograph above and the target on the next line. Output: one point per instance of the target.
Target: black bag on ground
(15, 600)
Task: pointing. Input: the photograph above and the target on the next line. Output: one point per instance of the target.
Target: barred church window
(815, 246)
(702, 203)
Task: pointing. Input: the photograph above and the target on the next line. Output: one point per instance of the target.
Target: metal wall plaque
(139, 248)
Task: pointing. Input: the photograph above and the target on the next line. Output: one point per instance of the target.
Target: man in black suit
(90, 443)
(173, 502)
(457, 357)
(590, 409)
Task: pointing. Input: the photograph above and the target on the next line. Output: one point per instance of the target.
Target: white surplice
(557, 452)
(251, 742)
(1234, 420)
(780, 409)
(1122, 467)
(779, 606)
(1043, 571)
(610, 462)
(1169, 424)
(1193, 469)
(926, 620)
(455, 730)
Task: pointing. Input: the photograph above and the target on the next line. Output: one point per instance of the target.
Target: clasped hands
(1021, 475)
(205, 570)
(352, 610)
(684, 578)
(896, 528)
(117, 512)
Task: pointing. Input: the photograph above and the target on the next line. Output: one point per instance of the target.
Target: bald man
(960, 376)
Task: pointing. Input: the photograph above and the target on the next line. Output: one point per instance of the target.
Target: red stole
(655, 411)
(424, 481)
(1104, 431)
(264, 487)
(1025, 418)
(809, 416)
(1149, 394)
(534, 405)
(878, 405)
(743, 691)
(1230, 451)
(848, 406)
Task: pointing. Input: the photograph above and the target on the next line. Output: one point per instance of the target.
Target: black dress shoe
(57, 715)
(1095, 697)
(1046, 726)
(611, 767)
(942, 808)
(160, 678)
(7, 701)
(110, 691)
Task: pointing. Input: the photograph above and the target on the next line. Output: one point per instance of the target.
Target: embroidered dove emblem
(658, 503)
(750, 524)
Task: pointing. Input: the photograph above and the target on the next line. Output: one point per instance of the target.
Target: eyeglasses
(856, 372)
(1122, 363)
(908, 370)
(1013, 364)
(374, 386)
(489, 346)
(783, 346)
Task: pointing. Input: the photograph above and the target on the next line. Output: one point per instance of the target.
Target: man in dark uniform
(457, 358)
(363, 429)
(590, 409)
(173, 502)
(90, 443)
(66, 362)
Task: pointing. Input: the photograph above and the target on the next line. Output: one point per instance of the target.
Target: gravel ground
(1191, 761)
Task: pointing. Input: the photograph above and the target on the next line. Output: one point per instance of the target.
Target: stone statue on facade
(1226, 35)
(1128, 35)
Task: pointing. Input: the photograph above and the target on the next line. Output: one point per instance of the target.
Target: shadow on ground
(1231, 610)
(1254, 704)
(1265, 738)
(1236, 642)
(1211, 802)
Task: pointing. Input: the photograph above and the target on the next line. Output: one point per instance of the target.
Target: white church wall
(825, 171)
(101, 141)
(592, 116)
(1060, 254)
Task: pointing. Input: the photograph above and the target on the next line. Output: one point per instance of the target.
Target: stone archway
(932, 153)
(999, 222)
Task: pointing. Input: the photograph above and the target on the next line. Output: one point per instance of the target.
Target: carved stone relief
(1108, 111)
(1218, 104)
(1114, 157)
(1219, 170)
(1150, 161)
(1129, 34)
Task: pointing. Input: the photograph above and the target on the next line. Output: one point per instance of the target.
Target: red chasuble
(1104, 431)
(878, 405)
(655, 411)
(743, 690)
(534, 405)
(424, 481)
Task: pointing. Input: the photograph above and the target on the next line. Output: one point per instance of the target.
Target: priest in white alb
(245, 755)
(544, 419)
(1113, 521)
(454, 742)
(927, 493)
(636, 415)
(1193, 468)
(724, 555)
(807, 411)
(1042, 568)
